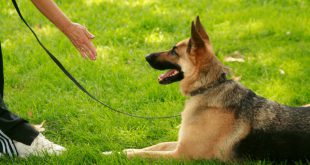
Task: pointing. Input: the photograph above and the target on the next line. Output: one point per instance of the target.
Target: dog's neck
(211, 74)
(203, 89)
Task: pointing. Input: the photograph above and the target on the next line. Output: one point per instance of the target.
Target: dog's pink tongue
(167, 74)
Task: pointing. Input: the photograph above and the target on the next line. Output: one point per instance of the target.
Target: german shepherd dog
(222, 119)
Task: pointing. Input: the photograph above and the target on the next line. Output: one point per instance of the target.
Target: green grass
(272, 35)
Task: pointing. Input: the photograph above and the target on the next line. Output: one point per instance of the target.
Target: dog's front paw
(110, 152)
(107, 152)
(127, 152)
(130, 150)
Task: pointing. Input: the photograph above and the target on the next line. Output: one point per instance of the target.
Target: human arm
(78, 34)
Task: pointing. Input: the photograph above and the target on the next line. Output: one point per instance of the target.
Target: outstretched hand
(81, 39)
(78, 34)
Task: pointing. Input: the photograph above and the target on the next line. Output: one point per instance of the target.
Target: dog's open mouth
(170, 76)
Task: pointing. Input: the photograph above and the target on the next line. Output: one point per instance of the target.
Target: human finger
(88, 34)
(82, 52)
(91, 50)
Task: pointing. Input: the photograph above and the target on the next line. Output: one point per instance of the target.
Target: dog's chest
(198, 116)
(214, 130)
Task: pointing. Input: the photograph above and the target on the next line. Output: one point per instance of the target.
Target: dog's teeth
(175, 73)
(161, 76)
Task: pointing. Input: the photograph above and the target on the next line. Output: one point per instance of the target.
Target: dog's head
(186, 59)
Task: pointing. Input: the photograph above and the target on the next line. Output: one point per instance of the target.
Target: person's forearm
(53, 13)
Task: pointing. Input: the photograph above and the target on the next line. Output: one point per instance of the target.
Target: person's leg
(7, 145)
(13, 126)
(1, 74)
(17, 136)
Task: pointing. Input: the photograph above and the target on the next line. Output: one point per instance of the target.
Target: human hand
(81, 39)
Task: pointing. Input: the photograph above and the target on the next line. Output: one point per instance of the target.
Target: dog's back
(278, 132)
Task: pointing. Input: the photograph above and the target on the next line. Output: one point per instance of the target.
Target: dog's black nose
(148, 58)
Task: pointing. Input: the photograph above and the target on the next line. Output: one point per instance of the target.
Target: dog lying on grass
(223, 119)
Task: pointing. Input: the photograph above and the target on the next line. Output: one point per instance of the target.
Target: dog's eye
(174, 53)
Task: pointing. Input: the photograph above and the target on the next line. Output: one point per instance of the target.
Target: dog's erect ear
(196, 40)
(201, 29)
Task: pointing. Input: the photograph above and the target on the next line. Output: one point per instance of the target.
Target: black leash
(76, 82)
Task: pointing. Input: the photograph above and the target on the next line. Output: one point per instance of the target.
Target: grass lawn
(272, 35)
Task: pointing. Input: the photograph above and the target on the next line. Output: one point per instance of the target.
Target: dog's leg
(165, 146)
(161, 150)
(151, 154)
(307, 105)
